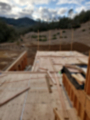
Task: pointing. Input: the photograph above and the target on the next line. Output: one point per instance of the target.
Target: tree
(7, 33)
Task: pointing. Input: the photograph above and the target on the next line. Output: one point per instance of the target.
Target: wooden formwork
(19, 64)
(38, 103)
(80, 100)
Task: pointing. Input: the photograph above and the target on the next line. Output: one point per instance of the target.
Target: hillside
(54, 37)
(81, 41)
(21, 22)
(7, 33)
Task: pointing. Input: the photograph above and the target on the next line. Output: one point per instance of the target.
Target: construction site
(44, 59)
(56, 87)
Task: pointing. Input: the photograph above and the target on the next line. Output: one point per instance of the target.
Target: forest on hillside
(63, 23)
(7, 33)
(11, 33)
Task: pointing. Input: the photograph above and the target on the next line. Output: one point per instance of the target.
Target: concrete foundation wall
(19, 64)
(81, 102)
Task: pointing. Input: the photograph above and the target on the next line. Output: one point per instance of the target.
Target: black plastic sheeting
(72, 80)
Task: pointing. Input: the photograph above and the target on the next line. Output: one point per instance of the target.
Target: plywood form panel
(38, 105)
(80, 100)
(87, 85)
(62, 58)
(39, 101)
(42, 102)
(12, 110)
(88, 106)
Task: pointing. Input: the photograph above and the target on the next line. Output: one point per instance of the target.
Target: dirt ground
(81, 35)
(80, 47)
(7, 57)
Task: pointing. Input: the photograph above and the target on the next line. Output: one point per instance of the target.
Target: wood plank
(52, 79)
(57, 114)
(76, 67)
(79, 78)
(82, 61)
(72, 113)
(61, 98)
(22, 54)
(48, 84)
(14, 96)
(60, 94)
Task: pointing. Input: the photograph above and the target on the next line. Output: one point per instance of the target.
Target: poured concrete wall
(19, 64)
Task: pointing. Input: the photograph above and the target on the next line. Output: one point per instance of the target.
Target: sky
(46, 10)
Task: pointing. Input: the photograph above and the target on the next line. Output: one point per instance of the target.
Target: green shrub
(21, 40)
(55, 35)
(64, 31)
(43, 39)
(83, 30)
(42, 36)
(54, 38)
(40, 39)
(58, 33)
(34, 36)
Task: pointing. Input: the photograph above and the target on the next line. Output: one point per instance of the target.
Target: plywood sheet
(39, 102)
(59, 59)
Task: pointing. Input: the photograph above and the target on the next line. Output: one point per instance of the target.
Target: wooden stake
(49, 39)
(61, 40)
(14, 96)
(38, 39)
(72, 40)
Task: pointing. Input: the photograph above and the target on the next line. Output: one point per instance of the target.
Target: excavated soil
(7, 57)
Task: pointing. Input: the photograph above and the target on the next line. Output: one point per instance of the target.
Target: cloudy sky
(41, 9)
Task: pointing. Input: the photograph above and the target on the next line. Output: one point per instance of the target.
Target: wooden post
(61, 40)
(38, 39)
(87, 85)
(72, 41)
(49, 39)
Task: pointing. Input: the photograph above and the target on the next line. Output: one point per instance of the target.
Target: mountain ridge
(20, 22)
